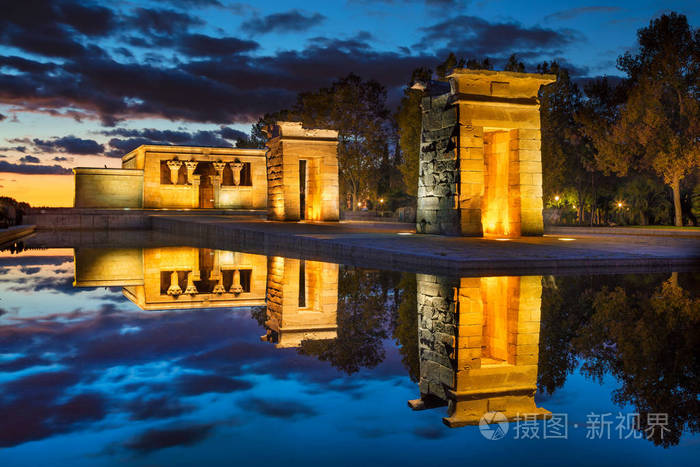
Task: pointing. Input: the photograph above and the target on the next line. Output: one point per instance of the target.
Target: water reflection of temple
(478, 344)
(301, 297)
(302, 301)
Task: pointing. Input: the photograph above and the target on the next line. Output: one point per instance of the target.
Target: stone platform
(396, 247)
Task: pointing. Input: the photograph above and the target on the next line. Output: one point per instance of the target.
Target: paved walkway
(395, 246)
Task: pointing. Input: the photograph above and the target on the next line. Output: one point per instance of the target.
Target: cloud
(161, 438)
(29, 159)
(200, 45)
(156, 408)
(2, 117)
(129, 139)
(194, 385)
(289, 21)
(60, 159)
(574, 12)
(69, 144)
(162, 21)
(479, 38)
(33, 169)
(278, 408)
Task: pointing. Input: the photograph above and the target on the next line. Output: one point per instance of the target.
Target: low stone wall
(108, 188)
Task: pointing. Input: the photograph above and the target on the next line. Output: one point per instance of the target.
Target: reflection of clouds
(194, 385)
(433, 431)
(161, 438)
(278, 408)
(156, 408)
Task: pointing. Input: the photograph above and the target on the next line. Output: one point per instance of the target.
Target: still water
(183, 356)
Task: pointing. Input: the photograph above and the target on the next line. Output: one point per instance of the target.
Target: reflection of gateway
(479, 343)
(301, 297)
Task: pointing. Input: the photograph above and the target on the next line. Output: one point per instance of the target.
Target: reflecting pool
(178, 355)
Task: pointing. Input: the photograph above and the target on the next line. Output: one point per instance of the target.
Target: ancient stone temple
(480, 170)
(175, 277)
(478, 346)
(177, 177)
(302, 173)
(302, 301)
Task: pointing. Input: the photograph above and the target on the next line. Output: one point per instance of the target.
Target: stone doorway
(206, 171)
(302, 173)
(302, 189)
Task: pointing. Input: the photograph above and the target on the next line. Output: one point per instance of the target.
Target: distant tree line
(619, 151)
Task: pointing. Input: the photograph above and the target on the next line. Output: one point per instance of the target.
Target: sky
(84, 82)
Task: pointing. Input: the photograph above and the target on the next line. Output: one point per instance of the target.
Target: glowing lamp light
(381, 200)
(556, 198)
(359, 204)
(404, 233)
(619, 205)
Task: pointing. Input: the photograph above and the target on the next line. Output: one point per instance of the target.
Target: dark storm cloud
(200, 45)
(574, 12)
(278, 408)
(477, 37)
(161, 438)
(26, 65)
(29, 159)
(69, 144)
(33, 169)
(2, 117)
(288, 21)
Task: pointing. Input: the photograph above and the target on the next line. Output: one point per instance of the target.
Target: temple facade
(177, 177)
(480, 169)
(479, 346)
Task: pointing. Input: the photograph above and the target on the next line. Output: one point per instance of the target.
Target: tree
(567, 155)
(657, 127)
(514, 65)
(357, 109)
(408, 121)
(648, 341)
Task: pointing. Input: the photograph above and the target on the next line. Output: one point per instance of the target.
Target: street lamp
(556, 198)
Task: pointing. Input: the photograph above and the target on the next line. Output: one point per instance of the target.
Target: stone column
(216, 182)
(471, 176)
(526, 180)
(236, 168)
(174, 289)
(174, 166)
(216, 274)
(236, 287)
(191, 288)
(191, 166)
(219, 167)
(196, 180)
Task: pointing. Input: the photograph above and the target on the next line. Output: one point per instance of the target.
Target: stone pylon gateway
(480, 170)
(302, 173)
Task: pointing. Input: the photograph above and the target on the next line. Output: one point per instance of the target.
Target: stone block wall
(480, 166)
(108, 188)
(438, 174)
(289, 143)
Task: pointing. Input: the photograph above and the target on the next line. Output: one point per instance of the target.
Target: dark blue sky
(81, 80)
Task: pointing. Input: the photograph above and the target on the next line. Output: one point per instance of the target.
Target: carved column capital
(219, 167)
(236, 168)
(174, 166)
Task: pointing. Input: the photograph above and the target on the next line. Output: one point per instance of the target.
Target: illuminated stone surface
(289, 145)
(302, 301)
(480, 169)
(177, 177)
(175, 277)
(479, 345)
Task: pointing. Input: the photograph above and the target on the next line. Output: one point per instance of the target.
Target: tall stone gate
(480, 169)
(302, 173)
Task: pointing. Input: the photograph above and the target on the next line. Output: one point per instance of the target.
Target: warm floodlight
(556, 198)
(619, 205)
